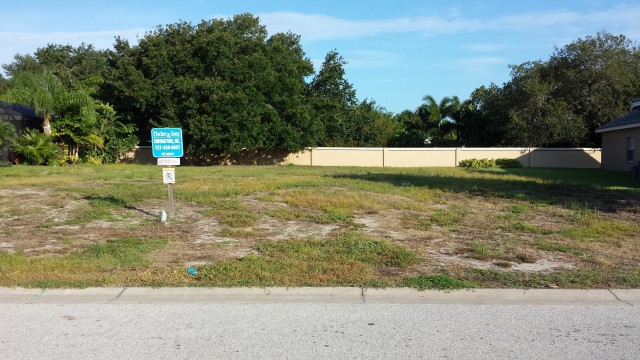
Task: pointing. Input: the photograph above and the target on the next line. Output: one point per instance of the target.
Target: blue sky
(397, 51)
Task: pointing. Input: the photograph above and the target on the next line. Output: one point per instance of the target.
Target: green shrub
(489, 163)
(37, 148)
(508, 163)
(477, 163)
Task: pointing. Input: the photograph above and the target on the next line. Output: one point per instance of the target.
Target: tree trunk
(4, 158)
(46, 124)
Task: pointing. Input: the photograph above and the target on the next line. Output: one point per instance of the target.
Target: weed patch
(580, 226)
(90, 267)
(439, 282)
(448, 217)
(516, 209)
(233, 213)
(548, 245)
(345, 260)
(98, 208)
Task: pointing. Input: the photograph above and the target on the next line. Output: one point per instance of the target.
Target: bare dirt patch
(38, 223)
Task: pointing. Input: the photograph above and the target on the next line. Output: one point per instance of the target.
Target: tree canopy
(558, 102)
(225, 82)
(230, 85)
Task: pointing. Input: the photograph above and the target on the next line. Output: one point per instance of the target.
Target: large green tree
(411, 132)
(537, 117)
(438, 119)
(4, 86)
(79, 126)
(334, 101)
(483, 118)
(596, 77)
(7, 137)
(75, 67)
(226, 83)
(45, 93)
(558, 102)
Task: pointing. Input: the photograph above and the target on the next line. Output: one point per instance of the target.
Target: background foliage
(231, 86)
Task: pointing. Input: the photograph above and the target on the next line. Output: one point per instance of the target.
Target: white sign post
(168, 148)
(169, 177)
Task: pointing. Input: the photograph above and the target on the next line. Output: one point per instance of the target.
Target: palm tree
(7, 136)
(37, 148)
(44, 92)
(438, 114)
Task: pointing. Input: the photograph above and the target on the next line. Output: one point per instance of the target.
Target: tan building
(620, 140)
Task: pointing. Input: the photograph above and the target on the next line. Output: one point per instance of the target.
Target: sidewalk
(113, 295)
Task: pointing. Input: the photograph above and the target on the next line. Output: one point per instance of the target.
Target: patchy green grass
(438, 282)
(95, 265)
(547, 245)
(347, 260)
(98, 208)
(482, 251)
(447, 217)
(358, 227)
(233, 213)
(516, 209)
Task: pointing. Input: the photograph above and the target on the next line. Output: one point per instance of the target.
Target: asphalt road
(318, 331)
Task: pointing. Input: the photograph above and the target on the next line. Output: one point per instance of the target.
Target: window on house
(630, 149)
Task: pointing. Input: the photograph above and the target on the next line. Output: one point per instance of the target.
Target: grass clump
(349, 259)
(121, 252)
(447, 217)
(516, 209)
(332, 217)
(233, 213)
(96, 265)
(547, 245)
(481, 251)
(437, 282)
(97, 208)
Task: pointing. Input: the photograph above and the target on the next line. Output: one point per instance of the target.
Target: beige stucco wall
(405, 157)
(301, 158)
(419, 157)
(352, 157)
(447, 157)
(565, 158)
(521, 154)
(614, 149)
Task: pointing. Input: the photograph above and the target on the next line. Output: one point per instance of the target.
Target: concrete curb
(494, 296)
(343, 295)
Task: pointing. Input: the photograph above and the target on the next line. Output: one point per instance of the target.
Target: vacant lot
(83, 226)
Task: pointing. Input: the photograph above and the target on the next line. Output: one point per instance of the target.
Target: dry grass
(264, 226)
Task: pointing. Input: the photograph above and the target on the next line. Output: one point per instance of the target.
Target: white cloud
(322, 27)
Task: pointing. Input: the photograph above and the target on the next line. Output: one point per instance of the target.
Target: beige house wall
(614, 149)
(402, 157)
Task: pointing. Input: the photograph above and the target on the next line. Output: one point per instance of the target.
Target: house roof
(631, 120)
(7, 108)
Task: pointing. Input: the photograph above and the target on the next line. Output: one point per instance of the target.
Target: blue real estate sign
(167, 142)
